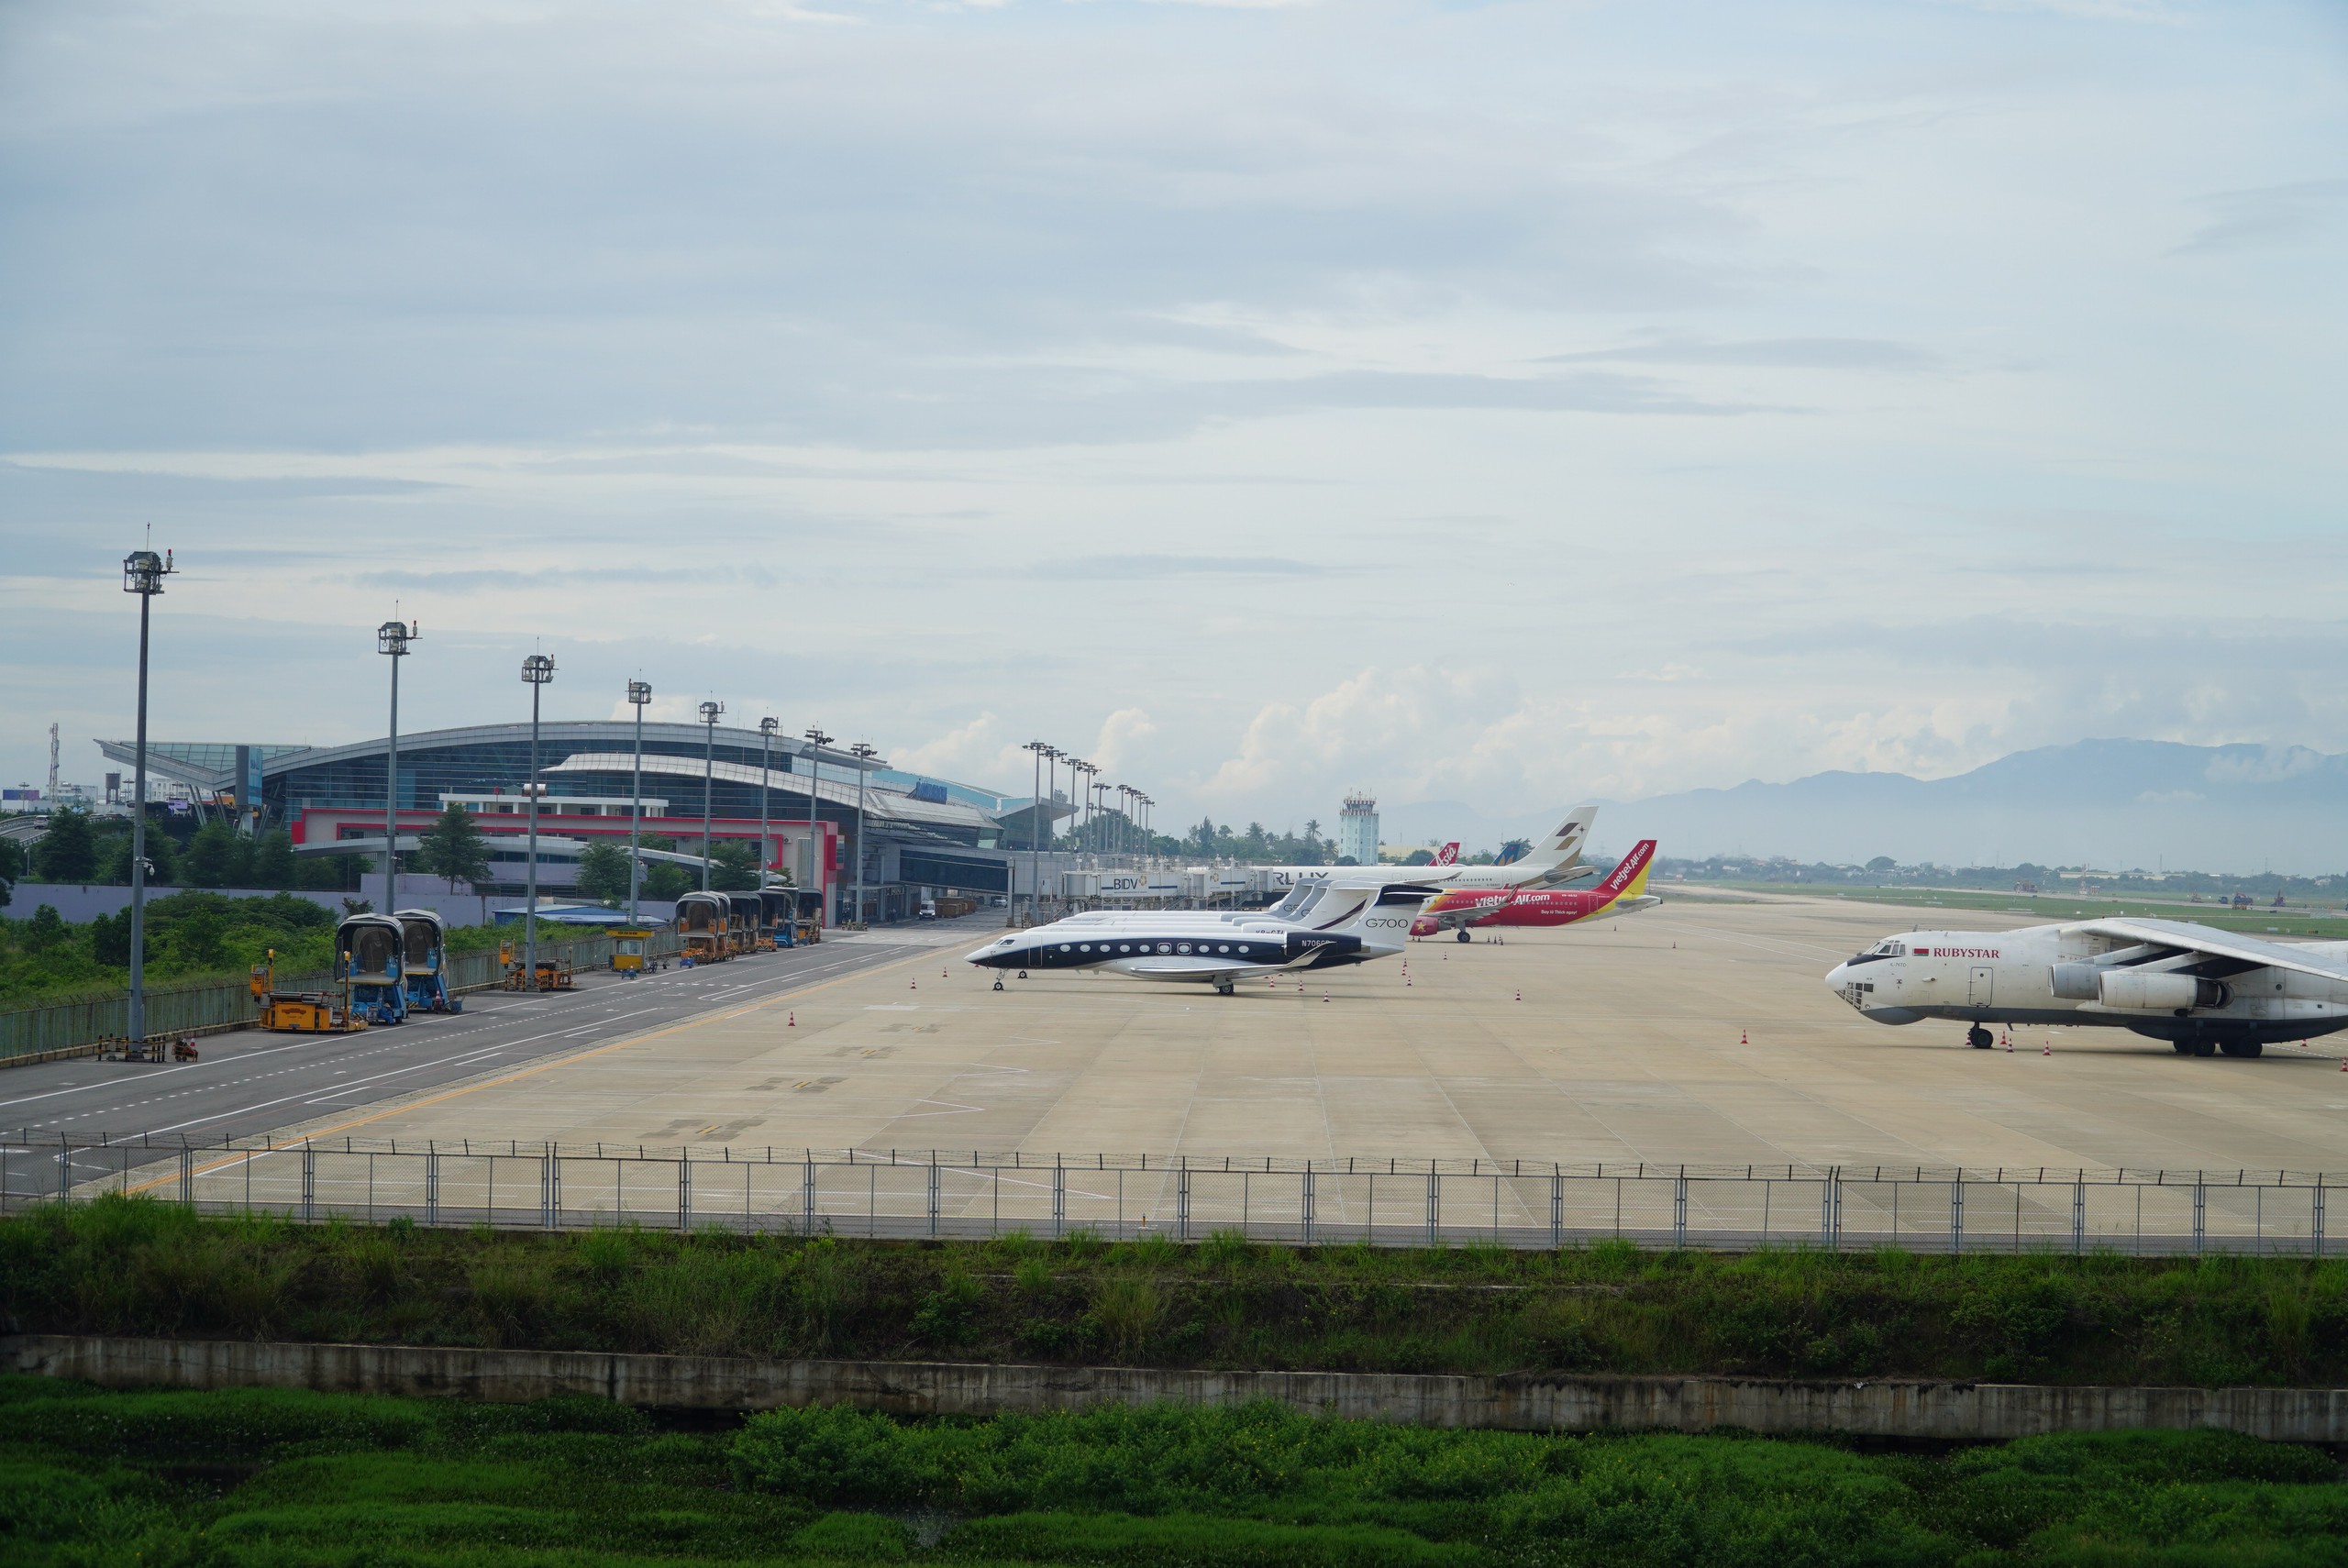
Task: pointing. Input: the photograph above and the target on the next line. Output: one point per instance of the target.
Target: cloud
(1115, 569)
(1790, 353)
(2268, 217)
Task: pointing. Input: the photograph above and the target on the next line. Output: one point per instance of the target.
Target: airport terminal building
(919, 832)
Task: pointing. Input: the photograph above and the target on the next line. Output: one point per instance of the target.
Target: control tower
(1358, 829)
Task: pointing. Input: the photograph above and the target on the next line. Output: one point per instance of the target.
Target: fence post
(684, 1193)
(2315, 1215)
(807, 1197)
(551, 1188)
(1679, 1209)
(431, 1187)
(64, 1170)
(1059, 1196)
(2200, 1212)
(1306, 1195)
(933, 1193)
(1957, 1213)
(1182, 1202)
(1556, 1211)
(1435, 1204)
(2079, 1215)
(1830, 1210)
(187, 1174)
(309, 1181)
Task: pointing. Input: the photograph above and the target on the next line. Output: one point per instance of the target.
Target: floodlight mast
(143, 572)
(710, 714)
(537, 671)
(864, 755)
(391, 638)
(639, 692)
(767, 728)
(818, 740)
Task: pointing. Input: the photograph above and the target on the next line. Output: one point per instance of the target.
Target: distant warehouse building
(920, 833)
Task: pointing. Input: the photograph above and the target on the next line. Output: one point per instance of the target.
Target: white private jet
(1317, 926)
(2201, 989)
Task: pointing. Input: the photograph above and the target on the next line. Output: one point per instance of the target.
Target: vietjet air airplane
(1624, 891)
(2201, 989)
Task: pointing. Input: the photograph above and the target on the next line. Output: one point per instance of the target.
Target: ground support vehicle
(300, 1012)
(553, 975)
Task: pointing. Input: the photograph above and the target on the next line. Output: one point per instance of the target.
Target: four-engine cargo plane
(2201, 989)
(1624, 891)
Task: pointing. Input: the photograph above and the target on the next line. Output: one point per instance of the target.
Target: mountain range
(2111, 804)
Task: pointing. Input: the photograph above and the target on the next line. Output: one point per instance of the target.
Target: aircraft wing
(2186, 936)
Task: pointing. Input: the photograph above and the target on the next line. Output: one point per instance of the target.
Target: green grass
(277, 1477)
(2052, 907)
(137, 1266)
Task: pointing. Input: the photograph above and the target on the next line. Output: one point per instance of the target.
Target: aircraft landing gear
(2242, 1047)
(1223, 988)
(1462, 934)
(1979, 1038)
(1022, 974)
(998, 982)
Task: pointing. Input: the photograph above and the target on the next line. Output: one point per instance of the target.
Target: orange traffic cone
(1520, 996)
(2010, 1045)
(912, 985)
(1743, 1038)
(1324, 996)
(2047, 1049)
(790, 1021)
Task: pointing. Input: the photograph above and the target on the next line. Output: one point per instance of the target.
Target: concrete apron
(1516, 1402)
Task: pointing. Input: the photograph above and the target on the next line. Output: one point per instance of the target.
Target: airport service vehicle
(424, 963)
(2201, 989)
(1624, 891)
(300, 1012)
(1553, 859)
(368, 953)
(1327, 926)
(701, 920)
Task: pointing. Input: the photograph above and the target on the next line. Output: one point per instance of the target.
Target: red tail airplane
(1624, 891)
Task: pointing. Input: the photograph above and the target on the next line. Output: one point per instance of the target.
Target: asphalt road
(249, 1081)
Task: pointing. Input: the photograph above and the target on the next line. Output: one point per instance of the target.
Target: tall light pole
(1052, 755)
(390, 638)
(1035, 861)
(639, 692)
(767, 728)
(143, 572)
(819, 740)
(864, 755)
(710, 712)
(1075, 766)
(537, 671)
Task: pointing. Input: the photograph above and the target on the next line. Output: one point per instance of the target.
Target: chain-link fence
(198, 1006)
(1321, 1202)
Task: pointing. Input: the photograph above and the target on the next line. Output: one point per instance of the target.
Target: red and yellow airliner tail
(1629, 879)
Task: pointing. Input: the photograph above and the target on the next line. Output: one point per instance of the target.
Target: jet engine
(2138, 991)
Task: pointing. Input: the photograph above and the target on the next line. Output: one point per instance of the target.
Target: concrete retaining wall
(1953, 1411)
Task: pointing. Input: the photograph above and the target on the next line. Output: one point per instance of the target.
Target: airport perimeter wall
(208, 1007)
(976, 1194)
(1954, 1412)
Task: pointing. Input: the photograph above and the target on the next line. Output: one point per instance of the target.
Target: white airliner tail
(1557, 854)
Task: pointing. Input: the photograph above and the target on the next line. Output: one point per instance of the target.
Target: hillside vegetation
(137, 1266)
(275, 1477)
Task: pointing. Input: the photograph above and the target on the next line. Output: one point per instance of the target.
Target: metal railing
(977, 1194)
(204, 1005)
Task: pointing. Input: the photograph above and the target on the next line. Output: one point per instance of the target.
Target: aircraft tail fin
(1449, 854)
(1629, 879)
(1561, 849)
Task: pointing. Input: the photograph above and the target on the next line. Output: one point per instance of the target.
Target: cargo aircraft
(1624, 891)
(1317, 926)
(2201, 989)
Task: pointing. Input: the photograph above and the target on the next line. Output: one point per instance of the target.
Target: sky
(1509, 403)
